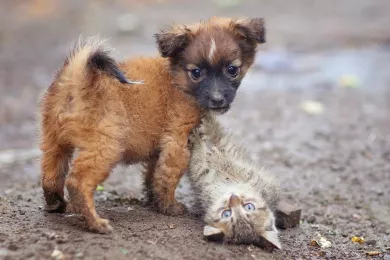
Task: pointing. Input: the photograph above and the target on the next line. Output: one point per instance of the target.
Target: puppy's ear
(172, 41)
(251, 29)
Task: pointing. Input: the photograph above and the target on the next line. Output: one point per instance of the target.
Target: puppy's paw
(72, 208)
(99, 225)
(173, 209)
(57, 205)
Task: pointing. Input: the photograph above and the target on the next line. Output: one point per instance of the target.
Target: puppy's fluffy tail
(88, 58)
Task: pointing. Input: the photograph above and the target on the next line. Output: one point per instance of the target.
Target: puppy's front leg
(171, 165)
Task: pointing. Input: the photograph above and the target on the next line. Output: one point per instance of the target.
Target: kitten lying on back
(236, 197)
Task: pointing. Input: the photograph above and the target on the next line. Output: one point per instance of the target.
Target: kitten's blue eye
(249, 207)
(226, 213)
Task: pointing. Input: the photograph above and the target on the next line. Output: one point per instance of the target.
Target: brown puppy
(91, 107)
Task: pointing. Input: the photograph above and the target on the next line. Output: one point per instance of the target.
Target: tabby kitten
(235, 196)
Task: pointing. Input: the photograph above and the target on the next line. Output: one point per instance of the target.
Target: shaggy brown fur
(90, 107)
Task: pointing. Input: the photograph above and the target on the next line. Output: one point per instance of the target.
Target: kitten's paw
(202, 131)
(99, 225)
(173, 209)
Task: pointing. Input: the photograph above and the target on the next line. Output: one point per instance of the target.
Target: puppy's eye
(196, 74)
(233, 71)
(249, 207)
(226, 213)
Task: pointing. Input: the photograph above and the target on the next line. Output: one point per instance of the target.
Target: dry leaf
(356, 239)
(373, 253)
(320, 241)
(349, 81)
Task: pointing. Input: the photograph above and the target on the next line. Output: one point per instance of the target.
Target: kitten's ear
(213, 234)
(272, 237)
(170, 42)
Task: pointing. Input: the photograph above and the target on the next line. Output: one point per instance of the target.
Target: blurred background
(314, 109)
(308, 43)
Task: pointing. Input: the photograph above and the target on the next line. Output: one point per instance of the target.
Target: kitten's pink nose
(234, 201)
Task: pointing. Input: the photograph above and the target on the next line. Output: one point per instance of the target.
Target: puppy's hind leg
(148, 172)
(90, 168)
(55, 165)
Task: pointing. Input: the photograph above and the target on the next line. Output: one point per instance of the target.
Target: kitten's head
(209, 59)
(242, 219)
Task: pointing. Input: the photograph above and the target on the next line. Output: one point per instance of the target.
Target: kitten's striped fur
(225, 178)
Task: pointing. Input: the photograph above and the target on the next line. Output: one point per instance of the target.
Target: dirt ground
(333, 159)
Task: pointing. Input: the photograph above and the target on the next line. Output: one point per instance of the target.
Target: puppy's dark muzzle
(217, 101)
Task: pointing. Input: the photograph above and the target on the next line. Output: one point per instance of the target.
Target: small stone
(13, 247)
(61, 240)
(371, 242)
(79, 255)
(29, 200)
(311, 219)
(356, 216)
(130, 208)
(331, 232)
(124, 251)
(312, 107)
(19, 197)
(380, 193)
(337, 167)
(328, 222)
(51, 236)
(288, 164)
(57, 254)
(344, 234)
(3, 252)
(171, 226)
(315, 191)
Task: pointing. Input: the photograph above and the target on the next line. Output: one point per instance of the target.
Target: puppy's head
(209, 59)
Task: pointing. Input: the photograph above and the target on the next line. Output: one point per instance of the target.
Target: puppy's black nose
(217, 101)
